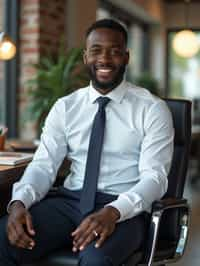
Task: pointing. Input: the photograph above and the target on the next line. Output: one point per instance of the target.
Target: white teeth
(104, 70)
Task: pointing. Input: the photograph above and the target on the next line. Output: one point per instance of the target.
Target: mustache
(98, 66)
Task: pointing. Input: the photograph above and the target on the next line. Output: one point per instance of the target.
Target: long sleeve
(41, 173)
(154, 164)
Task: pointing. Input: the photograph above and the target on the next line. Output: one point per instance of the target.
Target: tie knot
(103, 101)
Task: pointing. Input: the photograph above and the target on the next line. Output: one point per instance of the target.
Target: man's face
(106, 57)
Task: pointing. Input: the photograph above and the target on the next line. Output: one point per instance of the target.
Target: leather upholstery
(181, 112)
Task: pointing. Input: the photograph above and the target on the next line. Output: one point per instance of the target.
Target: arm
(41, 172)
(154, 164)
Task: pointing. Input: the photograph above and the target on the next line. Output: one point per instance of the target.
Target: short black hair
(109, 24)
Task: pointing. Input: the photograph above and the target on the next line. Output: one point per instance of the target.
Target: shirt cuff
(25, 195)
(127, 207)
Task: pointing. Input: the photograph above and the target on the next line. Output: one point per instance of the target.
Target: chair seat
(166, 250)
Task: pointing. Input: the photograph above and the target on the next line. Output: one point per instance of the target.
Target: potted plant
(54, 78)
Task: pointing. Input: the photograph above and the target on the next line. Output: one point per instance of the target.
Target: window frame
(11, 70)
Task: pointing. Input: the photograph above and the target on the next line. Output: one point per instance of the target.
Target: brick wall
(41, 27)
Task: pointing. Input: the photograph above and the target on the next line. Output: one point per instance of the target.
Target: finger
(23, 237)
(21, 244)
(102, 238)
(87, 241)
(89, 235)
(80, 230)
(84, 225)
(79, 241)
(12, 234)
(29, 225)
(84, 231)
(14, 237)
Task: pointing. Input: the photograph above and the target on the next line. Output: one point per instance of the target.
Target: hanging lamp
(7, 47)
(185, 42)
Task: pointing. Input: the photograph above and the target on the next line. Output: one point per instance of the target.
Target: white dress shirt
(136, 156)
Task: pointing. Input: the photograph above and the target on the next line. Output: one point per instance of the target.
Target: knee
(97, 260)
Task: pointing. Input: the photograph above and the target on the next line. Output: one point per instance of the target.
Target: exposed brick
(42, 24)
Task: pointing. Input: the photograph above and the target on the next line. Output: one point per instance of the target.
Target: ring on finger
(95, 233)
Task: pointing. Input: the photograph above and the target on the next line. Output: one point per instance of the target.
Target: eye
(116, 52)
(94, 51)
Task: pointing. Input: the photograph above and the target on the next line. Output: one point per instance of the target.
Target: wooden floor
(192, 253)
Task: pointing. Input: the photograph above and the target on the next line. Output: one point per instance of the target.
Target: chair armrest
(169, 203)
(158, 208)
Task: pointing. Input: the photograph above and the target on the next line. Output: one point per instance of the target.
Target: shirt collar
(117, 94)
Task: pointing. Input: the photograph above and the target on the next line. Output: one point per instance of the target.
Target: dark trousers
(55, 217)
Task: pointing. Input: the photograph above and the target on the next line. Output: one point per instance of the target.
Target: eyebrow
(99, 46)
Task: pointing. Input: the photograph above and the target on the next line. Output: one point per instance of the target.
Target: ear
(85, 57)
(127, 57)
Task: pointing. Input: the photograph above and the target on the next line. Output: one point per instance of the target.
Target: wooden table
(8, 175)
(11, 174)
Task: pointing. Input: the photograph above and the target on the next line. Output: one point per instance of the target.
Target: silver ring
(95, 233)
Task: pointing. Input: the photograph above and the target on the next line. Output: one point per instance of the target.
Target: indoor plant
(54, 78)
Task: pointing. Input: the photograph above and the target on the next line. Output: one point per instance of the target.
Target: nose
(105, 56)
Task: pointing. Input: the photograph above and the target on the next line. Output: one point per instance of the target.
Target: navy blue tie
(87, 201)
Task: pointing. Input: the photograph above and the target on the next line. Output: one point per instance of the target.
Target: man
(135, 153)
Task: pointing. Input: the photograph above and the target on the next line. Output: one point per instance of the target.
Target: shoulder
(148, 104)
(78, 94)
(143, 99)
(143, 95)
(73, 99)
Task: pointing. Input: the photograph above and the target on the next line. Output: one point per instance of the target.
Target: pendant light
(7, 47)
(185, 42)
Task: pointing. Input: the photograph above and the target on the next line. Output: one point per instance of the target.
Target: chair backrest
(181, 113)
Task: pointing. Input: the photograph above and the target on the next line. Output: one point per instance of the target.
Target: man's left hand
(98, 225)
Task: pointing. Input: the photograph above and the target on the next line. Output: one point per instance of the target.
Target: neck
(105, 90)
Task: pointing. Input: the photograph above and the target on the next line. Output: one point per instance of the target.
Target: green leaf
(54, 78)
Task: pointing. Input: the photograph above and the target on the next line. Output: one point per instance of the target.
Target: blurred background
(49, 38)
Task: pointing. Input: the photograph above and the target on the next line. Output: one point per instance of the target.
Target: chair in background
(168, 225)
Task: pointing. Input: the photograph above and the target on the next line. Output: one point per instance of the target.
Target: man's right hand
(19, 227)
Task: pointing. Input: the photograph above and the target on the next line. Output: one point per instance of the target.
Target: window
(184, 76)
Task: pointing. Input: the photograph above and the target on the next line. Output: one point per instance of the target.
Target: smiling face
(106, 57)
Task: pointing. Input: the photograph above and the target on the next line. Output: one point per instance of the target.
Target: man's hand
(19, 227)
(98, 225)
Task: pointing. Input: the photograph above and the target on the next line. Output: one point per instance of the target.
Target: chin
(105, 85)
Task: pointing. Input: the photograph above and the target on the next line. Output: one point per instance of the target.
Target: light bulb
(185, 43)
(7, 48)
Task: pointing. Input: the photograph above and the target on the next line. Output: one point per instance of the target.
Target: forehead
(105, 36)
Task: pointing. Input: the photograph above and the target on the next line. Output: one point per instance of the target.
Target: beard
(117, 79)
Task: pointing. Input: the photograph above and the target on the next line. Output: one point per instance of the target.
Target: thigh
(127, 238)
(53, 229)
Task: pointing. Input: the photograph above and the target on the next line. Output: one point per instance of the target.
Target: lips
(104, 71)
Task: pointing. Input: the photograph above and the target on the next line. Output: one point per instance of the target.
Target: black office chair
(168, 228)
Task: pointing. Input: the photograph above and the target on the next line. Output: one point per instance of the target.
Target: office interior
(39, 28)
